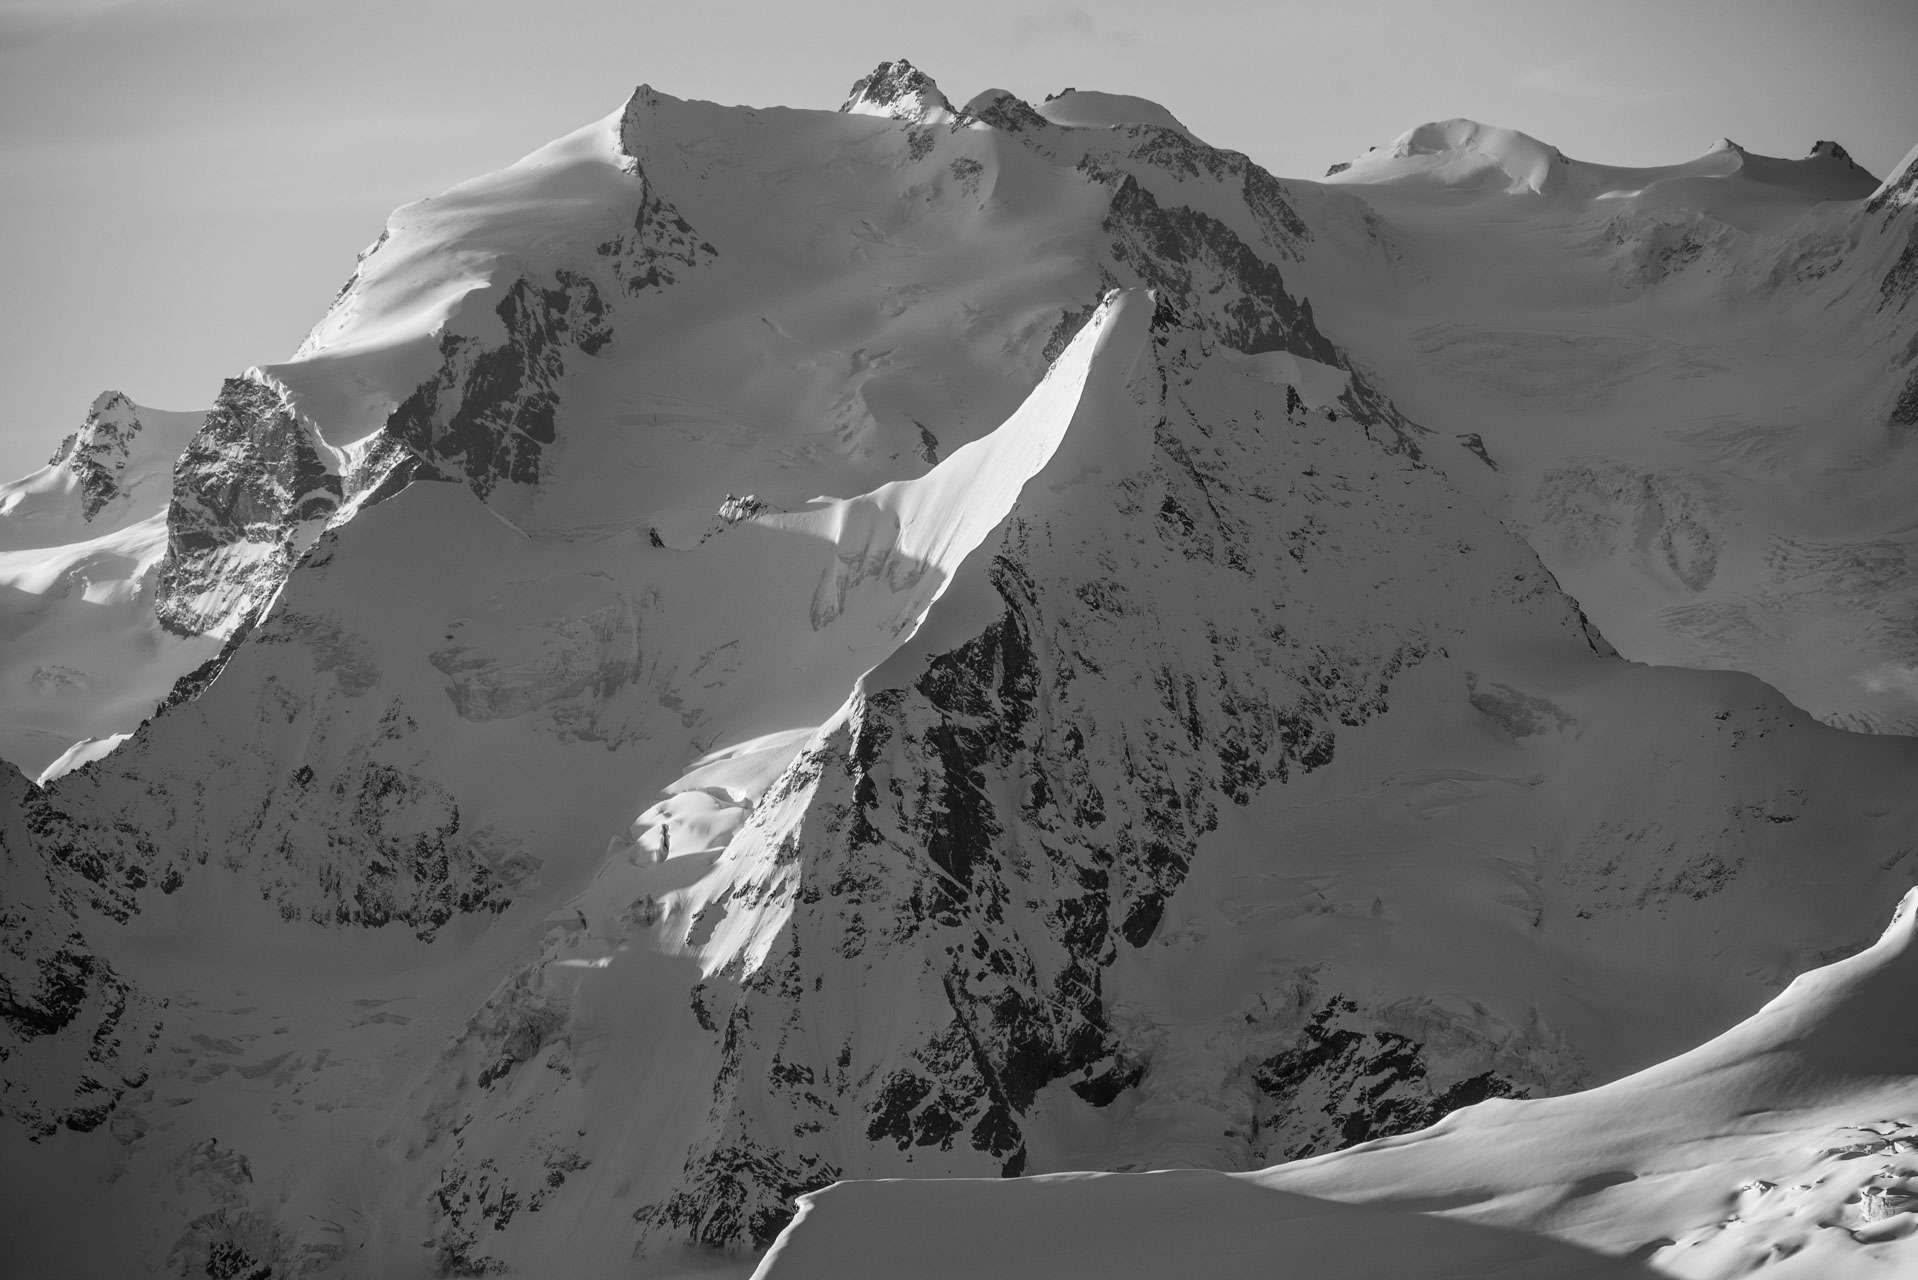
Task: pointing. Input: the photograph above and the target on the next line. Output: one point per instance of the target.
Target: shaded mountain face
(757, 647)
(1796, 1119)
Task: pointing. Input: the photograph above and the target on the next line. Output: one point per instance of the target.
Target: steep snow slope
(1691, 386)
(590, 837)
(84, 659)
(1785, 1147)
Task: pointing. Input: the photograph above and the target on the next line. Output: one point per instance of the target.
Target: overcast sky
(184, 183)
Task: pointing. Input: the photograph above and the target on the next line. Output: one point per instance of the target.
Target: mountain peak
(1090, 109)
(97, 453)
(897, 90)
(1724, 144)
(1003, 109)
(1837, 158)
(1461, 153)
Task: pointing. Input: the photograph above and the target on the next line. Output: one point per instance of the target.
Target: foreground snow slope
(1787, 1147)
(1692, 387)
(766, 646)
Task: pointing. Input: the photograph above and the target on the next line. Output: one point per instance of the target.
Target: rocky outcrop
(488, 414)
(1218, 284)
(978, 842)
(75, 1034)
(97, 453)
(1001, 110)
(1349, 1077)
(250, 492)
(896, 89)
(1893, 203)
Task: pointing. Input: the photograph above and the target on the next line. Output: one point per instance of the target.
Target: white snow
(82, 658)
(1788, 1145)
(1538, 858)
(1681, 374)
(1090, 109)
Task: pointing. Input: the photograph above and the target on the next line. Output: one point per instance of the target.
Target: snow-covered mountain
(757, 647)
(1785, 1147)
(1692, 387)
(85, 657)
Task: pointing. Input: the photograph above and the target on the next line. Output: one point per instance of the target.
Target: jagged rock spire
(899, 90)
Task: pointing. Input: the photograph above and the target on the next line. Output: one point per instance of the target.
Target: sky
(184, 183)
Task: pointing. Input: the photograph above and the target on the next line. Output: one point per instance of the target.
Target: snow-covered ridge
(81, 540)
(1786, 1143)
(1466, 154)
(1109, 732)
(1089, 109)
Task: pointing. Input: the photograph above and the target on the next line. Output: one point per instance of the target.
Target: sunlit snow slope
(1786, 1147)
(83, 658)
(758, 647)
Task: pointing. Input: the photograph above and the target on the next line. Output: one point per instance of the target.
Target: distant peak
(1725, 144)
(97, 453)
(1837, 156)
(1090, 109)
(1002, 109)
(1461, 153)
(111, 402)
(897, 90)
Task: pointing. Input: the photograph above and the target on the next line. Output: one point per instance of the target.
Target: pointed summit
(1724, 144)
(897, 90)
(98, 452)
(1002, 110)
(1836, 157)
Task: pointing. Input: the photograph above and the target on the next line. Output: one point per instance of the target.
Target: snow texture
(914, 647)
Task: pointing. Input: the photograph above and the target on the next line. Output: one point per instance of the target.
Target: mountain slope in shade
(84, 658)
(765, 646)
(1785, 1147)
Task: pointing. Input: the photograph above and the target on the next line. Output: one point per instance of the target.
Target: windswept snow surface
(1090, 109)
(759, 647)
(1786, 1147)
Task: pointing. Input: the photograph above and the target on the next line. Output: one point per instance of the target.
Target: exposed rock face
(97, 453)
(356, 833)
(921, 943)
(662, 247)
(897, 89)
(983, 839)
(250, 492)
(1896, 201)
(74, 1034)
(488, 414)
(1186, 253)
(1341, 1085)
(1002, 110)
(1904, 411)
